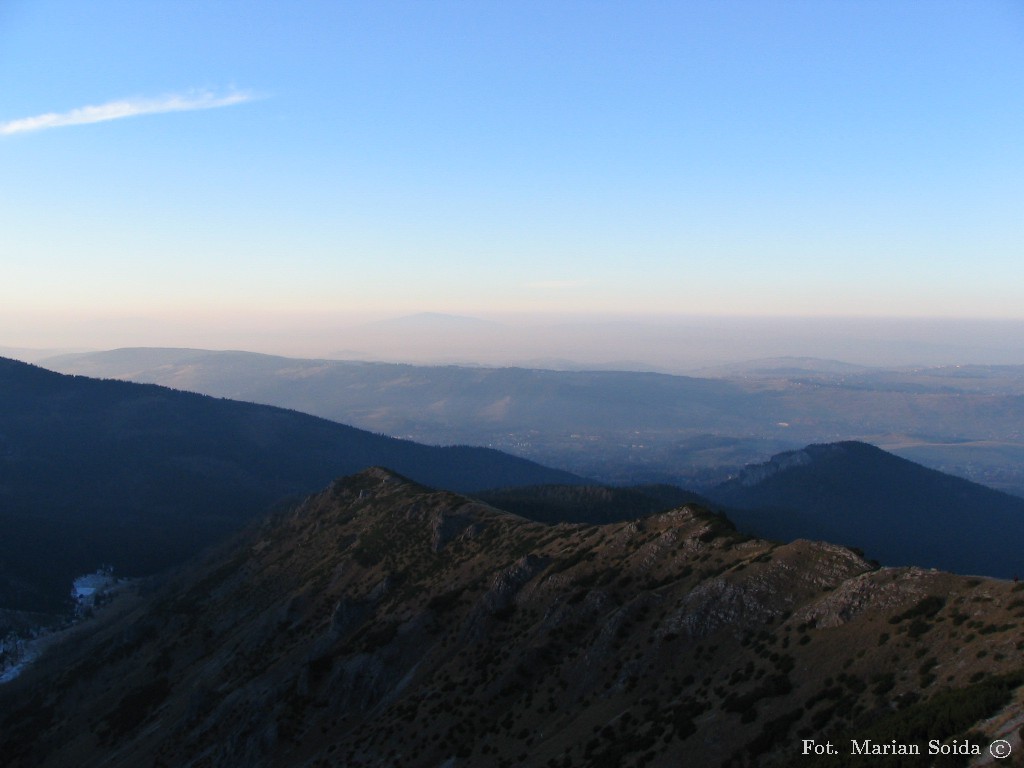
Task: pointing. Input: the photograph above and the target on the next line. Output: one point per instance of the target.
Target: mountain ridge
(383, 623)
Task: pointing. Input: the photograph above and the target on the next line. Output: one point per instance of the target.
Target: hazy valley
(626, 426)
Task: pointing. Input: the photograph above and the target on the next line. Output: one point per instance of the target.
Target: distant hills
(385, 624)
(627, 427)
(394, 397)
(139, 476)
(775, 367)
(894, 510)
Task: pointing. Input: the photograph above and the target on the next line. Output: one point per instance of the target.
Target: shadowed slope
(141, 476)
(895, 510)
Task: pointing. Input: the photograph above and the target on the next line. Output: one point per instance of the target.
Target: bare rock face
(719, 603)
(507, 583)
(445, 528)
(885, 589)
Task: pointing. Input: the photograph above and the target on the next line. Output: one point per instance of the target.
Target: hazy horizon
(671, 344)
(224, 174)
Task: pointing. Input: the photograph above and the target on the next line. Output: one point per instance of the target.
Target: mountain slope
(141, 476)
(896, 511)
(383, 624)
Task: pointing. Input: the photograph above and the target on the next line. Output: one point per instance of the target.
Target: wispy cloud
(115, 110)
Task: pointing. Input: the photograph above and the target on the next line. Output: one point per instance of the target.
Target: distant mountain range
(139, 476)
(397, 397)
(381, 623)
(625, 427)
(774, 367)
(894, 510)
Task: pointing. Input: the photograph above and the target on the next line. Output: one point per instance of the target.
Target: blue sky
(259, 159)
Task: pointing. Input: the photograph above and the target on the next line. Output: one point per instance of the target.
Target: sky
(201, 165)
